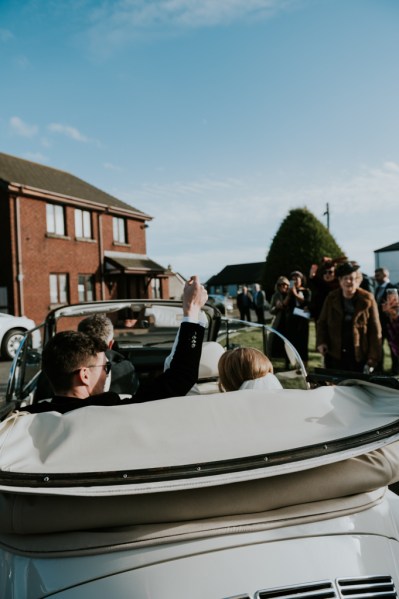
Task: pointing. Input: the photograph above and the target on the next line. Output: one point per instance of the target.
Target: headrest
(211, 352)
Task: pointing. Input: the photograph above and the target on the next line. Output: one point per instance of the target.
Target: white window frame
(86, 288)
(119, 229)
(83, 228)
(55, 219)
(156, 290)
(58, 288)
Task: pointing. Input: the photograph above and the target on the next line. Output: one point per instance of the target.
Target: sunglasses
(329, 272)
(107, 367)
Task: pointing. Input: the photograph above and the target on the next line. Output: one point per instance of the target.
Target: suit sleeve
(182, 374)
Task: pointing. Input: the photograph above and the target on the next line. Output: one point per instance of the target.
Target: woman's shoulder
(365, 296)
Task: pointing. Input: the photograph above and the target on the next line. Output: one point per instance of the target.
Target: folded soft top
(197, 441)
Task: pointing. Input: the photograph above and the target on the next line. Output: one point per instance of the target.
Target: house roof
(239, 274)
(394, 247)
(131, 263)
(47, 179)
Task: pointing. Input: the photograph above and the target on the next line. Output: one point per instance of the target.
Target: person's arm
(374, 335)
(322, 331)
(182, 373)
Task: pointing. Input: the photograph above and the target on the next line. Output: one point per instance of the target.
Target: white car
(12, 331)
(250, 494)
(246, 494)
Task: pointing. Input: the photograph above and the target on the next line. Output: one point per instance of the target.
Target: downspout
(20, 275)
(101, 254)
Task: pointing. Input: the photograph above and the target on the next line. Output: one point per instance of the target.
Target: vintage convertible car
(248, 494)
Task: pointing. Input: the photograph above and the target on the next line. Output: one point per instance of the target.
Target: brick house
(64, 241)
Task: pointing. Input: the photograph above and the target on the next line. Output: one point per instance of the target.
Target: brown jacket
(366, 326)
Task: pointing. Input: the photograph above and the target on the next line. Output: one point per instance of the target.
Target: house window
(83, 224)
(86, 288)
(119, 228)
(156, 288)
(55, 219)
(58, 288)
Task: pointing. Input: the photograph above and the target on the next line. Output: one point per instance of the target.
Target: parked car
(245, 495)
(12, 330)
(221, 302)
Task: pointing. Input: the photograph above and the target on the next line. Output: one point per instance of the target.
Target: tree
(302, 240)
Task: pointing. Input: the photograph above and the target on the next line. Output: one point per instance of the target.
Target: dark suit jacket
(123, 374)
(176, 381)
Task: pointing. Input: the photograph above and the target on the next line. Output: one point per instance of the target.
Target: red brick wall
(43, 254)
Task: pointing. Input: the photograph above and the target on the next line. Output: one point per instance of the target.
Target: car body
(12, 330)
(248, 494)
(222, 302)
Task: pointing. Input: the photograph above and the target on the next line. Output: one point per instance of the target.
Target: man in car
(77, 367)
(123, 377)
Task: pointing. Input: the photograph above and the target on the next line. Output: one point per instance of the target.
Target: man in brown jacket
(349, 330)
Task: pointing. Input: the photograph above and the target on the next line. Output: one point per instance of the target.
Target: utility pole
(327, 213)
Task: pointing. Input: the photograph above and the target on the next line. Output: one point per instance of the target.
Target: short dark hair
(65, 353)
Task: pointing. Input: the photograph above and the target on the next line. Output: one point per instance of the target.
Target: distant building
(388, 257)
(232, 277)
(65, 241)
(176, 284)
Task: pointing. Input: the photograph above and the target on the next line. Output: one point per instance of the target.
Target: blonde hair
(279, 281)
(242, 364)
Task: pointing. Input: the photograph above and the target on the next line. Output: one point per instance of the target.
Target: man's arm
(182, 373)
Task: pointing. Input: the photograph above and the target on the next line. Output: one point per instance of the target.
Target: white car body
(244, 495)
(12, 330)
(241, 494)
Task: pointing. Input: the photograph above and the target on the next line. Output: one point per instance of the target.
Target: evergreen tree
(301, 240)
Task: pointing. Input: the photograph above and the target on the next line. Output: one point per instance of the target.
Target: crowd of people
(351, 319)
(351, 325)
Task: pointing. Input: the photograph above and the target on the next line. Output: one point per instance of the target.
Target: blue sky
(214, 116)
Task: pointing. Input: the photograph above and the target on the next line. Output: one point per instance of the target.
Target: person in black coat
(244, 303)
(76, 365)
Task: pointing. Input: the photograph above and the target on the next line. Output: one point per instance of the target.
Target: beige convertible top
(195, 431)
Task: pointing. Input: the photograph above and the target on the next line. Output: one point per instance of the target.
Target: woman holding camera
(298, 314)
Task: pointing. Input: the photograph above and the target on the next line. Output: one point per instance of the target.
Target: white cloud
(68, 131)
(203, 225)
(114, 23)
(19, 127)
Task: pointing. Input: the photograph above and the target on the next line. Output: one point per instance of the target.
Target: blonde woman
(278, 308)
(246, 368)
